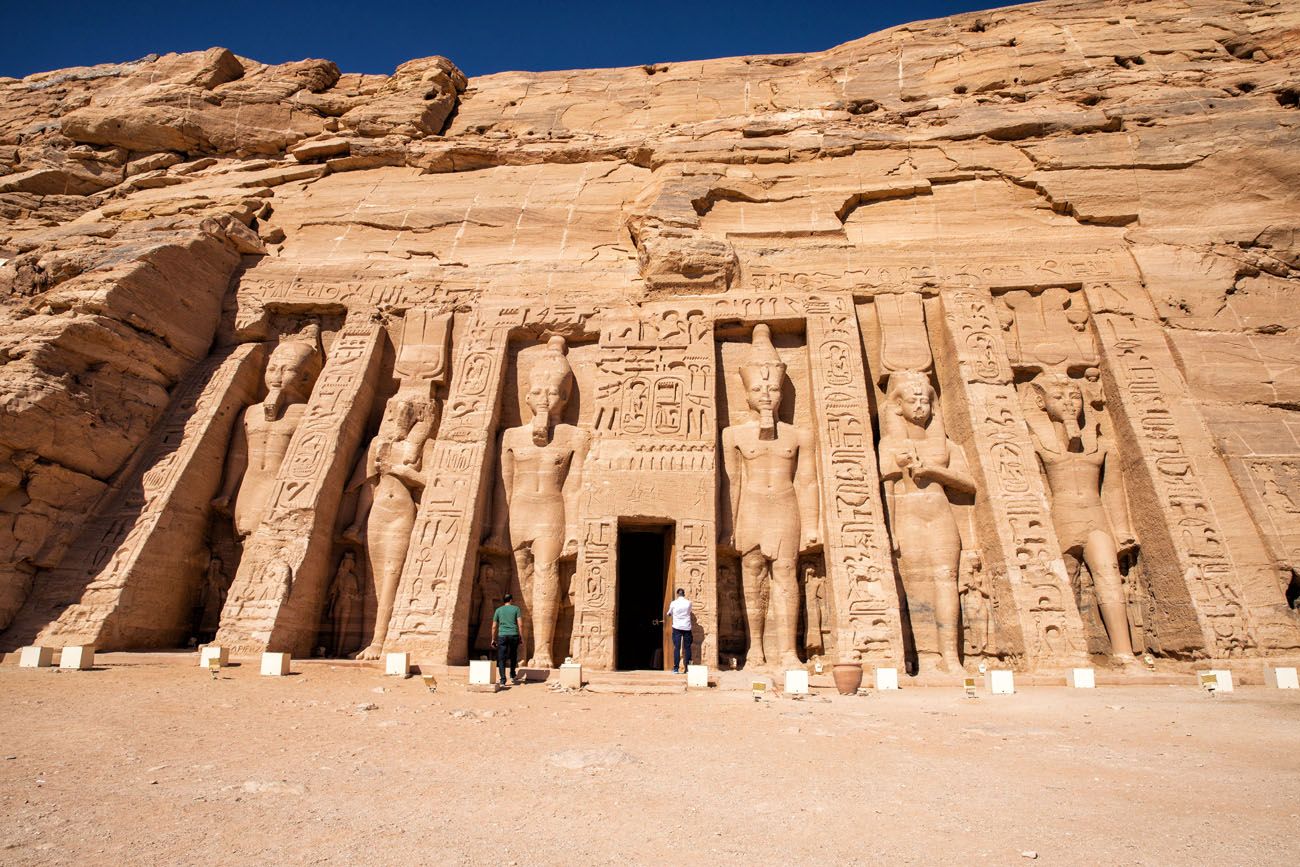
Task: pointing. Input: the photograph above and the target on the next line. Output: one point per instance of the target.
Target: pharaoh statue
(390, 481)
(211, 598)
(344, 600)
(259, 444)
(1088, 504)
(920, 467)
(774, 506)
(541, 467)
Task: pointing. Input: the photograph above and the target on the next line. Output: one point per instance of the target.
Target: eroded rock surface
(1105, 192)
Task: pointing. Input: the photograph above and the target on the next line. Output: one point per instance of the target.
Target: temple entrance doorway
(644, 584)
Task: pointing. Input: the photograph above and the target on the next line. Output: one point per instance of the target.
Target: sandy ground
(158, 764)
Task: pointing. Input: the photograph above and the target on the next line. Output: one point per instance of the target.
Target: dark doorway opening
(643, 559)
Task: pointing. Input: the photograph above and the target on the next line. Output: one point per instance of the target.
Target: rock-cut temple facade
(974, 340)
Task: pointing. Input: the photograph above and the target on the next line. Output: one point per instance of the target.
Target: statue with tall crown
(261, 440)
(541, 467)
(774, 501)
(920, 467)
(1089, 508)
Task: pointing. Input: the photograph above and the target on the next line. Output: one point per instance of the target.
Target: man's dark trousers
(507, 656)
(681, 638)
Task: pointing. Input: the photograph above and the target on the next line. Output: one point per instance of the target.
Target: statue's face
(545, 399)
(1063, 401)
(764, 393)
(287, 368)
(399, 418)
(914, 400)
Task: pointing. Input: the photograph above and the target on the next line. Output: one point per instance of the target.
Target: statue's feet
(541, 660)
(1126, 661)
(790, 660)
(372, 652)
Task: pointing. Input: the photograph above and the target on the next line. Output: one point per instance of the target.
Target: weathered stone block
(480, 671)
(571, 675)
(697, 677)
(1081, 678)
(886, 679)
(796, 682)
(1000, 681)
(1281, 678)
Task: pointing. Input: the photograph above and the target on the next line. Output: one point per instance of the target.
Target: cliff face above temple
(1141, 151)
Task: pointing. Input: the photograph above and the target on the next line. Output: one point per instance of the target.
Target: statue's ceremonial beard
(766, 424)
(541, 428)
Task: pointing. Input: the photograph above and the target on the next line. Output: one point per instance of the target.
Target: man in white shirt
(680, 612)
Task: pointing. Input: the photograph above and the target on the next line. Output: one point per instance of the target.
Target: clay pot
(848, 677)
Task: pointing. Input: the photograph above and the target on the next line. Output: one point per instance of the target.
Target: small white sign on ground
(36, 657)
(78, 657)
(1223, 679)
(1081, 678)
(1000, 681)
(210, 653)
(697, 677)
(480, 672)
(397, 664)
(571, 675)
(796, 682)
(1281, 678)
(275, 664)
(886, 678)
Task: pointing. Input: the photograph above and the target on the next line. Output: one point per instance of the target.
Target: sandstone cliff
(153, 209)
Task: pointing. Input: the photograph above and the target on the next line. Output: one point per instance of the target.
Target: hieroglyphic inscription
(276, 597)
(139, 571)
(857, 547)
(1196, 540)
(977, 335)
(1014, 501)
(696, 571)
(593, 626)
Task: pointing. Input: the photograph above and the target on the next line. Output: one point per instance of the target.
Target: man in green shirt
(505, 638)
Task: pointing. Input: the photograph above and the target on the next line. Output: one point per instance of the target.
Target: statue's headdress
(764, 365)
(551, 369)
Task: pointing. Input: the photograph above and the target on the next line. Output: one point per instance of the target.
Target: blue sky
(481, 37)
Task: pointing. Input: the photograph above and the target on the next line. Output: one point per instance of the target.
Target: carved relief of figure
(1088, 506)
(816, 611)
(486, 599)
(344, 601)
(774, 502)
(976, 604)
(920, 466)
(212, 597)
(259, 444)
(391, 481)
(541, 466)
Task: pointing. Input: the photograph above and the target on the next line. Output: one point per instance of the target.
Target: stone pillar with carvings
(1201, 550)
(138, 565)
(1013, 520)
(431, 611)
(277, 596)
(856, 542)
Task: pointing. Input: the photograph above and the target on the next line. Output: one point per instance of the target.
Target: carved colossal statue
(390, 481)
(541, 467)
(211, 598)
(344, 600)
(774, 501)
(259, 444)
(920, 466)
(1088, 504)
